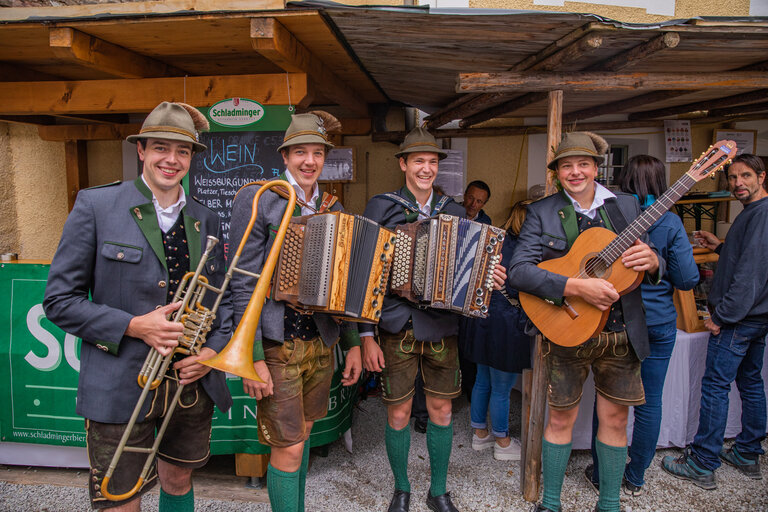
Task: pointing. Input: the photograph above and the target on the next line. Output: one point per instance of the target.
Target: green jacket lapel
(145, 217)
(568, 219)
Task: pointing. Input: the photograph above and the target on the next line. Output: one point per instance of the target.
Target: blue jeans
(734, 354)
(645, 431)
(492, 388)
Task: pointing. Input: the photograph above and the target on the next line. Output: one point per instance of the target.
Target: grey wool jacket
(112, 249)
(549, 229)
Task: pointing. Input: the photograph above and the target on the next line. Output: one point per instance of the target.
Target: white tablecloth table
(681, 398)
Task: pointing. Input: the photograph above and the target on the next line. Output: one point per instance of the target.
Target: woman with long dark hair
(644, 177)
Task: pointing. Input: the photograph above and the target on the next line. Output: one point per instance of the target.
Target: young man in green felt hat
(123, 251)
(550, 228)
(292, 351)
(411, 337)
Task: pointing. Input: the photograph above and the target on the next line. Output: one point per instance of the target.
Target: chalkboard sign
(232, 160)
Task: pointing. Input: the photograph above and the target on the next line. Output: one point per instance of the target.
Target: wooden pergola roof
(89, 66)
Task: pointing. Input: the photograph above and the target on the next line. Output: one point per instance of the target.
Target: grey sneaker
(686, 467)
(481, 443)
(511, 452)
(747, 465)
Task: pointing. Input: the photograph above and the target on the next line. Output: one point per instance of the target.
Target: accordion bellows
(335, 263)
(446, 263)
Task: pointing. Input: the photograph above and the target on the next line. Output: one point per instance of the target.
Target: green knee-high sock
(611, 460)
(554, 461)
(177, 503)
(439, 443)
(398, 445)
(283, 489)
(303, 474)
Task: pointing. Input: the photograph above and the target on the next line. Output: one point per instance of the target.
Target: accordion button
(375, 304)
(383, 257)
(376, 291)
(386, 246)
(479, 292)
(551, 244)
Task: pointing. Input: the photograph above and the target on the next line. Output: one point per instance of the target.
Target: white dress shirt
(300, 194)
(601, 194)
(166, 217)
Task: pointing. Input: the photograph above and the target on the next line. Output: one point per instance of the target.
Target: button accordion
(335, 263)
(446, 262)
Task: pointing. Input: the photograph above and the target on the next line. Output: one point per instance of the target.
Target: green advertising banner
(40, 371)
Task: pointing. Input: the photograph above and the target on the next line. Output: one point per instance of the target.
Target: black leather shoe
(420, 426)
(440, 503)
(400, 502)
(539, 508)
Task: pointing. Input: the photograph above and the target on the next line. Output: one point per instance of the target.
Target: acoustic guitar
(596, 253)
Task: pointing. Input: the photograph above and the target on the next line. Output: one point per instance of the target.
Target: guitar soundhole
(595, 267)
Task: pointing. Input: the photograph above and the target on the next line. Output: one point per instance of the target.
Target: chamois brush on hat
(173, 121)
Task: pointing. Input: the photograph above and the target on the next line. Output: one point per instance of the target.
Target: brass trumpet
(197, 321)
(237, 356)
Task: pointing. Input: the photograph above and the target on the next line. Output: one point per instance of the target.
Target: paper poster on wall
(450, 176)
(744, 139)
(339, 165)
(677, 139)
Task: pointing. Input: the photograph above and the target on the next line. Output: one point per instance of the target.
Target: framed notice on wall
(745, 139)
(339, 165)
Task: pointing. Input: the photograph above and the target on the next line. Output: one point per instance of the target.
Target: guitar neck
(641, 224)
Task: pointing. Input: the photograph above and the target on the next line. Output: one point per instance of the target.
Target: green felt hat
(419, 140)
(173, 121)
(580, 144)
(310, 128)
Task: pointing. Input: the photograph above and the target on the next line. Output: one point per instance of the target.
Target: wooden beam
(97, 118)
(138, 8)
(622, 105)
(142, 95)
(504, 108)
(752, 108)
(637, 54)
(607, 81)
(584, 46)
(77, 47)
(38, 120)
(65, 132)
(273, 41)
(581, 37)
(14, 73)
(728, 101)
(76, 163)
(505, 131)
(554, 132)
(355, 126)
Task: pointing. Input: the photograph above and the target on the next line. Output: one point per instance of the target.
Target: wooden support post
(76, 163)
(554, 130)
(251, 464)
(525, 417)
(535, 427)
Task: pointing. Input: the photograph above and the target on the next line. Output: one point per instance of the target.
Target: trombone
(235, 358)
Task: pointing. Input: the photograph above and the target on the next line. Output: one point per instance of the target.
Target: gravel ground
(362, 482)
